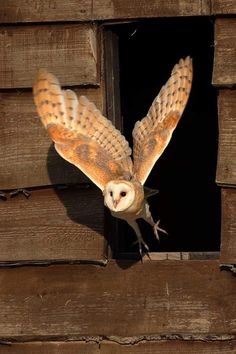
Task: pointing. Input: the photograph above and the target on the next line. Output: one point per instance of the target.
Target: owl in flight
(88, 140)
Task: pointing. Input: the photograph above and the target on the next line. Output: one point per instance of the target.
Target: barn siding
(224, 77)
(226, 162)
(52, 225)
(123, 299)
(69, 51)
(224, 73)
(228, 226)
(74, 10)
(97, 307)
(106, 347)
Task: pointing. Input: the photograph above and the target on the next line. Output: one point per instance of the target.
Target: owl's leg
(148, 218)
(140, 240)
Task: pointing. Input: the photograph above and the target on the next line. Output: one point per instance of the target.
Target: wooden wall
(224, 77)
(59, 290)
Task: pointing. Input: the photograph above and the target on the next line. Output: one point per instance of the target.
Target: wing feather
(82, 135)
(152, 134)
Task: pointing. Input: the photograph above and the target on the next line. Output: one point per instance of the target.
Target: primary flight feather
(88, 140)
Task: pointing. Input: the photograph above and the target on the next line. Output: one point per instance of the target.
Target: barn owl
(88, 140)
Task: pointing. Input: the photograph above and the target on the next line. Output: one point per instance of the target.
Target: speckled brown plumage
(85, 138)
(152, 134)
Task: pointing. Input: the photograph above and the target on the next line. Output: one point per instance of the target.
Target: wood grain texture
(46, 10)
(158, 347)
(27, 155)
(226, 162)
(118, 9)
(52, 225)
(51, 348)
(226, 7)
(74, 10)
(69, 51)
(228, 226)
(125, 299)
(224, 72)
(170, 347)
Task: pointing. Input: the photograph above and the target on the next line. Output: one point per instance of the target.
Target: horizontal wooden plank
(160, 347)
(122, 299)
(52, 225)
(228, 226)
(51, 348)
(171, 256)
(72, 10)
(46, 10)
(226, 7)
(27, 155)
(118, 9)
(69, 51)
(224, 72)
(171, 347)
(226, 164)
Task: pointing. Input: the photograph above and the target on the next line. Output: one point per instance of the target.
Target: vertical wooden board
(27, 155)
(226, 162)
(69, 51)
(228, 226)
(50, 348)
(119, 9)
(171, 347)
(46, 10)
(224, 71)
(226, 7)
(122, 299)
(53, 225)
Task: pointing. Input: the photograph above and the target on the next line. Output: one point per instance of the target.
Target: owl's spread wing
(82, 135)
(152, 134)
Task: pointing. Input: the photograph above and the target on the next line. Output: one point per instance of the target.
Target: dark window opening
(188, 203)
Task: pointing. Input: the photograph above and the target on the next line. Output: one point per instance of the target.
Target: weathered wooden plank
(27, 155)
(122, 299)
(74, 10)
(118, 9)
(226, 7)
(228, 226)
(224, 72)
(160, 347)
(43, 11)
(171, 347)
(69, 51)
(51, 348)
(52, 225)
(226, 163)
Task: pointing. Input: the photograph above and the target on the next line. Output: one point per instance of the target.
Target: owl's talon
(156, 228)
(141, 243)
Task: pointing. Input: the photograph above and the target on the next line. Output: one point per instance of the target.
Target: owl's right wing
(81, 134)
(152, 134)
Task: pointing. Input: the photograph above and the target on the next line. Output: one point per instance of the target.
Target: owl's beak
(116, 202)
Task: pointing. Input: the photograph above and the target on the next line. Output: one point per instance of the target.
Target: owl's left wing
(81, 134)
(152, 134)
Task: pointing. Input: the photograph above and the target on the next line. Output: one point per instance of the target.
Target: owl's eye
(122, 194)
(111, 194)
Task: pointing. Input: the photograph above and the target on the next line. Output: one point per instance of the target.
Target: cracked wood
(106, 347)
